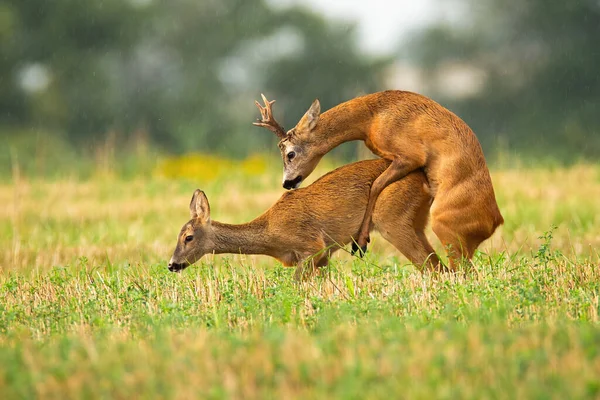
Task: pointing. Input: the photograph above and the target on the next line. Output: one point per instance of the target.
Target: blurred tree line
(183, 74)
(538, 63)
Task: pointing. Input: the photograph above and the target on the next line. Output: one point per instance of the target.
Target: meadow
(88, 308)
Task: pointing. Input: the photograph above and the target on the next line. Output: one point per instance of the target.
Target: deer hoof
(358, 250)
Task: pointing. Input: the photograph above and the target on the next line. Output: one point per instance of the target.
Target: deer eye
(189, 238)
(291, 155)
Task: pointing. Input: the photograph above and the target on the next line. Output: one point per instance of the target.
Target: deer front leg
(313, 257)
(397, 170)
(304, 270)
(307, 267)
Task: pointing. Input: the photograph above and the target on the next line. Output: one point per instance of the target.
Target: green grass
(88, 309)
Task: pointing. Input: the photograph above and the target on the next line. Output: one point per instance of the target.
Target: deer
(306, 226)
(412, 132)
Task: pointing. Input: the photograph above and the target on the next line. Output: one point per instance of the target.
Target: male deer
(304, 227)
(412, 132)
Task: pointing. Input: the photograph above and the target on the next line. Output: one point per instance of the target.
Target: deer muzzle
(293, 183)
(176, 267)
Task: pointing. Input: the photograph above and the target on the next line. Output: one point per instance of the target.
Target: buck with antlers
(412, 132)
(304, 227)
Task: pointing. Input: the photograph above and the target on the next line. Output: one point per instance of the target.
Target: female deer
(304, 227)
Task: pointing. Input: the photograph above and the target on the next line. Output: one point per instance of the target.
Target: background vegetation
(181, 76)
(538, 89)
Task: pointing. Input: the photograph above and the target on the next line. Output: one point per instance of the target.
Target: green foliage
(172, 69)
(105, 330)
(88, 308)
(183, 74)
(544, 254)
(539, 61)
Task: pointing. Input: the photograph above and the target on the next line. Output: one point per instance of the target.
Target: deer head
(297, 151)
(196, 237)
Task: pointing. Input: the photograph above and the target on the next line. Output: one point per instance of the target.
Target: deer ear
(199, 207)
(312, 115)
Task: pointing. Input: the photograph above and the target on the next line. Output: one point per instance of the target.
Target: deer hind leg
(415, 247)
(461, 229)
(398, 169)
(460, 247)
(404, 227)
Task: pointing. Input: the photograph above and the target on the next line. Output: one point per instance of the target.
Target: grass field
(88, 308)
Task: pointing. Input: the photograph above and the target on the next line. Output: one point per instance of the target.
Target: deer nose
(293, 183)
(287, 185)
(176, 267)
(173, 267)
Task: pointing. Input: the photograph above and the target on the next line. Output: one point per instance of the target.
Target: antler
(267, 120)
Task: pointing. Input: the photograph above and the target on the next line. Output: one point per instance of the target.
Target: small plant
(544, 254)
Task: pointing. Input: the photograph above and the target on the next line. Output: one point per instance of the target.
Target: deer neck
(249, 238)
(343, 123)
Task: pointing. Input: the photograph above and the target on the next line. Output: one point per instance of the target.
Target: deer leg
(306, 268)
(458, 249)
(310, 260)
(320, 263)
(421, 254)
(397, 170)
(405, 230)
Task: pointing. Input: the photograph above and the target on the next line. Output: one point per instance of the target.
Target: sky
(382, 24)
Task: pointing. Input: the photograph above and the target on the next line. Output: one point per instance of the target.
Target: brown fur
(412, 132)
(310, 223)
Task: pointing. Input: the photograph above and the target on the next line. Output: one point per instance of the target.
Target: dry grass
(52, 223)
(87, 308)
